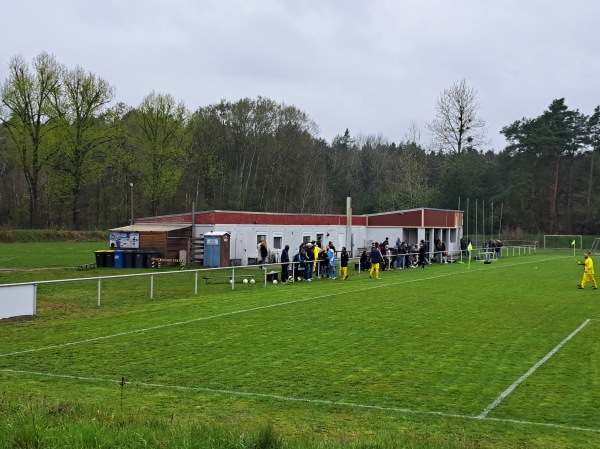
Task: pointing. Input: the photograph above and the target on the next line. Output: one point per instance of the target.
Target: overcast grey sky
(371, 66)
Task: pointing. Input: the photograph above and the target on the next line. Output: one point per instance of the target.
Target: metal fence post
(152, 286)
(99, 288)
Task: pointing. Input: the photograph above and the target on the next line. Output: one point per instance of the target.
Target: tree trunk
(552, 212)
(588, 200)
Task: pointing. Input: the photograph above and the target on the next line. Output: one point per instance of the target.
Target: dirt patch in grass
(16, 318)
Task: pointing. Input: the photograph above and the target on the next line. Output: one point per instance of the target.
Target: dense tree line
(72, 157)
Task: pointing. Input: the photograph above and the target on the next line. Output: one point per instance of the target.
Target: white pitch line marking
(516, 383)
(306, 400)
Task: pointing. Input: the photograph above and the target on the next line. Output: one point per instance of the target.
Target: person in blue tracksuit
(332, 263)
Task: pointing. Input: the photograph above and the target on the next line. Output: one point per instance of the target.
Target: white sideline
(253, 309)
(305, 400)
(516, 383)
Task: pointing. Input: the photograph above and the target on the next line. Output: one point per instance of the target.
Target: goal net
(563, 242)
(595, 246)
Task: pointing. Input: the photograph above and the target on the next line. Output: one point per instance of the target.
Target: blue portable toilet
(216, 249)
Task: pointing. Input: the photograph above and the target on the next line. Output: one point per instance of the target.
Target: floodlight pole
(131, 185)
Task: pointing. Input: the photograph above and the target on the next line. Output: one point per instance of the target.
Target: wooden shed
(166, 239)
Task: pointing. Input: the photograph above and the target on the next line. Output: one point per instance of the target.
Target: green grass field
(496, 356)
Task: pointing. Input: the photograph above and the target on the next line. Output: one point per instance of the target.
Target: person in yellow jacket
(316, 250)
(588, 272)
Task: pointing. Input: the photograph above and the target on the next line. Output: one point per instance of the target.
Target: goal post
(563, 242)
(595, 247)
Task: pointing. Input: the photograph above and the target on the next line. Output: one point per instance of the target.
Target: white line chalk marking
(304, 400)
(516, 383)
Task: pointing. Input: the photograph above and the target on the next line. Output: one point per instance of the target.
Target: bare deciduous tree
(457, 125)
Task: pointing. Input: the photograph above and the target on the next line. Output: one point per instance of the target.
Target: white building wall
(244, 237)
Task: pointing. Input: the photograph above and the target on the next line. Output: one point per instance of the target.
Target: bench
(157, 262)
(486, 255)
(239, 276)
(86, 266)
(272, 276)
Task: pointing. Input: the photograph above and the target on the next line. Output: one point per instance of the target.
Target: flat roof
(152, 227)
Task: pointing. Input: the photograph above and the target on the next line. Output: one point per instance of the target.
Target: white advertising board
(17, 300)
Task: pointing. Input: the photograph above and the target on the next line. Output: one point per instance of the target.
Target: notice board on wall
(124, 239)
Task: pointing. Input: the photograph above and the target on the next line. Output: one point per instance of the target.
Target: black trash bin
(110, 258)
(149, 256)
(140, 259)
(129, 259)
(100, 258)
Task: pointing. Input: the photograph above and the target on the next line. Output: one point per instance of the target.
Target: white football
(299, 278)
(231, 281)
(252, 281)
(245, 281)
(274, 281)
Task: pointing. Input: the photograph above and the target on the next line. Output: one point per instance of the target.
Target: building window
(277, 241)
(260, 238)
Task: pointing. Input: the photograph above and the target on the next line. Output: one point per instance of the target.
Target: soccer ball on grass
(245, 281)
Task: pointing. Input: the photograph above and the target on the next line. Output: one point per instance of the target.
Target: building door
(240, 248)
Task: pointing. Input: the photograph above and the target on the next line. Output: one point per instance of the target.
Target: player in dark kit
(344, 257)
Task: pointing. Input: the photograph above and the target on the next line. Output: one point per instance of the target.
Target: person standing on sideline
(441, 247)
(332, 264)
(308, 267)
(264, 253)
(298, 266)
(316, 251)
(285, 260)
(422, 258)
(402, 250)
(344, 257)
(376, 259)
(588, 272)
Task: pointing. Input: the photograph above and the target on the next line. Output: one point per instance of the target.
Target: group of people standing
(401, 255)
(313, 257)
(382, 257)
